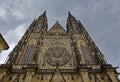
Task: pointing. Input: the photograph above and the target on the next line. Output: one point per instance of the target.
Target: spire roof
(43, 15)
(70, 15)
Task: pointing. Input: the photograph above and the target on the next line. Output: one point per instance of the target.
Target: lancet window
(84, 54)
(29, 53)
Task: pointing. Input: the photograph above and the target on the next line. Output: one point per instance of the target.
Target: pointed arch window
(29, 53)
(84, 54)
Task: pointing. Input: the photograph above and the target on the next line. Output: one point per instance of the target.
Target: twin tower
(57, 55)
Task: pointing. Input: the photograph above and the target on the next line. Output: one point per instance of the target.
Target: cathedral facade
(57, 55)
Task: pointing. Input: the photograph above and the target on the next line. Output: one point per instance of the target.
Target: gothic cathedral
(57, 55)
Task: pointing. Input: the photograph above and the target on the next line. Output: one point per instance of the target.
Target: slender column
(99, 77)
(84, 74)
(28, 77)
(21, 78)
(79, 78)
(112, 75)
(2, 73)
(14, 78)
(92, 78)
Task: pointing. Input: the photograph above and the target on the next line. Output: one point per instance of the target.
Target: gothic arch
(83, 52)
(30, 47)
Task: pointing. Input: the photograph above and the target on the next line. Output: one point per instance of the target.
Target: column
(84, 74)
(112, 75)
(28, 77)
(2, 73)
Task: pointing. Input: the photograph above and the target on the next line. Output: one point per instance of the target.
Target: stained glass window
(28, 54)
(84, 54)
(57, 55)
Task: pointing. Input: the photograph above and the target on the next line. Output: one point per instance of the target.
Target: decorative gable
(57, 29)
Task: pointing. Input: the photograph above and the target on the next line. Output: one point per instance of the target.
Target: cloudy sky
(101, 18)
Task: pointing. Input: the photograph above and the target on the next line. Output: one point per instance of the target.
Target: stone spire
(72, 24)
(42, 22)
(70, 15)
(35, 32)
(43, 15)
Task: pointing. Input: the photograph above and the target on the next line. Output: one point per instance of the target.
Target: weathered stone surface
(57, 55)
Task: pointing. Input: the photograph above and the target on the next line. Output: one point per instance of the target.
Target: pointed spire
(70, 15)
(42, 19)
(44, 13)
(57, 21)
(70, 25)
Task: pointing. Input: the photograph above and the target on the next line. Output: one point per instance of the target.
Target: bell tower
(30, 43)
(87, 48)
(57, 55)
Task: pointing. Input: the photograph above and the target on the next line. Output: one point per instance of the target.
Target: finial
(69, 14)
(44, 13)
(57, 21)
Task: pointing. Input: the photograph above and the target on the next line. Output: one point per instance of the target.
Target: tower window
(28, 54)
(84, 54)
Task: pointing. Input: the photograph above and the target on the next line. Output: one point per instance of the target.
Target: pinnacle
(69, 14)
(57, 22)
(44, 13)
